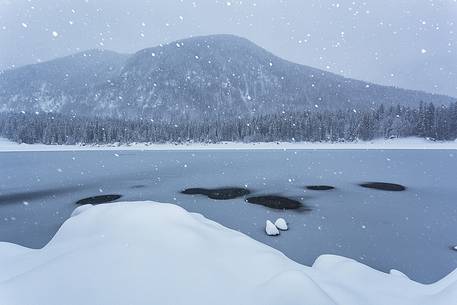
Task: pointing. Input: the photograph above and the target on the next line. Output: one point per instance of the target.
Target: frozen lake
(411, 231)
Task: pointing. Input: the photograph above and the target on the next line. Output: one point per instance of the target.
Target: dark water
(99, 199)
(320, 187)
(383, 186)
(277, 202)
(218, 193)
(411, 230)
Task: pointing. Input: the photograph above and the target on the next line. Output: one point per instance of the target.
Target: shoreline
(380, 144)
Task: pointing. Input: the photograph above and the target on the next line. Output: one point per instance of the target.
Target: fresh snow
(271, 229)
(143, 253)
(397, 273)
(402, 143)
(81, 209)
(281, 224)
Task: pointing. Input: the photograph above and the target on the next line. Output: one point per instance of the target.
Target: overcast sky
(409, 44)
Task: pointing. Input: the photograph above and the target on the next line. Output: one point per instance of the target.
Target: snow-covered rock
(281, 224)
(152, 253)
(271, 229)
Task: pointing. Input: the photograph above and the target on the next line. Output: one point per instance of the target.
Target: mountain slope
(219, 75)
(50, 85)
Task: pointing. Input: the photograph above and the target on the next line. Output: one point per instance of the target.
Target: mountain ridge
(199, 77)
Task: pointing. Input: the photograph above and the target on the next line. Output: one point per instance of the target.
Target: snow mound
(281, 224)
(151, 253)
(271, 229)
(81, 209)
(397, 273)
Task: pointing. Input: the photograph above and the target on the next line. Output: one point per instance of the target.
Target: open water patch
(225, 193)
(320, 187)
(99, 199)
(277, 202)
(393, 187)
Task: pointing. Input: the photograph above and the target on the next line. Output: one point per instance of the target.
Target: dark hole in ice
(453, 248)
(384, 186)
(98, 199)
(277, 202)
(320, 187)
(219, 193)
(35, 194)
(138, 186)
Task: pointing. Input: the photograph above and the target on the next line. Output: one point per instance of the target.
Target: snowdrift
(147, 253)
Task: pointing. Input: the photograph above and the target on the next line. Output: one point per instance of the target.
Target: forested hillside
(341, 125)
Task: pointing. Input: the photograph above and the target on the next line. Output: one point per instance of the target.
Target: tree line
(427, 120)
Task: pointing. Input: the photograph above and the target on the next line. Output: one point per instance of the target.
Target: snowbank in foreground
(403, 143)
(152, 253)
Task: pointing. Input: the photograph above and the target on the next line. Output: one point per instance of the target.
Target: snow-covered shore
(403, 143)
(152, 253)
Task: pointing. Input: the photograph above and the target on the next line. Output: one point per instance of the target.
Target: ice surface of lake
(411, 231)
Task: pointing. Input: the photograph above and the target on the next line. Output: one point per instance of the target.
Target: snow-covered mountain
(201, 77)
(54, 85)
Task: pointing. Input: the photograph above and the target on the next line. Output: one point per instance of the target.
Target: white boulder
(281, 224)
(271, 229)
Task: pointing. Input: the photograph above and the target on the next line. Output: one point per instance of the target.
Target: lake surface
(410, 230)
